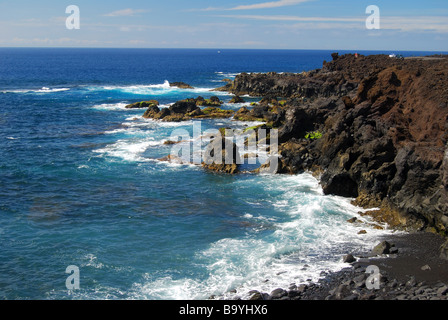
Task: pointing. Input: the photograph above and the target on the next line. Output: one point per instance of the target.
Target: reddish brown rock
(383, 125)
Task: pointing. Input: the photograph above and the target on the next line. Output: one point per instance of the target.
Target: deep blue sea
(80, 184)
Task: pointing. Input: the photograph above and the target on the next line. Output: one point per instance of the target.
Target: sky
(246, 24)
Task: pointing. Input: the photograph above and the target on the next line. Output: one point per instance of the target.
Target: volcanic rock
(222, 155)
(181, 85)
(382, 131)
(142, 104)
(236, 99)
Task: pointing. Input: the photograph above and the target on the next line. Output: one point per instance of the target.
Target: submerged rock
(172, 159)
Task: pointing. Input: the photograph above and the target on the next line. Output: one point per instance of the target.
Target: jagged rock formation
(382, 125)
(221, 155)
(142, 104)
(236, 99)
(181, 85)
(188, 109)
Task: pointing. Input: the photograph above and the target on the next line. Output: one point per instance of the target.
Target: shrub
(312, 135)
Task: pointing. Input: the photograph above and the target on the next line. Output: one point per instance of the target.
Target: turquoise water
(80, 184)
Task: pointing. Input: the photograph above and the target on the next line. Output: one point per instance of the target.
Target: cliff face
(383, 124)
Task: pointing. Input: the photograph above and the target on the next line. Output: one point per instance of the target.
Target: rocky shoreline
(381, 128)
(414, 271)
(375, 148)
(372, 128)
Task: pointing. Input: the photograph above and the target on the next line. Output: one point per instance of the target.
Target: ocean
(80, 184)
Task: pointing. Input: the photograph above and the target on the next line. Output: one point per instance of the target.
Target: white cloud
(272, 4)
(406, 24)
(416, 24)
(293, 18)
(263, 5)
(125, 13)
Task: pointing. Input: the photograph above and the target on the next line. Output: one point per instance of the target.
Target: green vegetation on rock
(313, 135)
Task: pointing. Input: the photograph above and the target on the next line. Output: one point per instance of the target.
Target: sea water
(80, 184)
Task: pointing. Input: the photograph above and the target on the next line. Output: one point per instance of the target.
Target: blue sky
(255, 24)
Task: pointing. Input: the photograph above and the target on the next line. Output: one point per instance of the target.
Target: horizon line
(220, 49)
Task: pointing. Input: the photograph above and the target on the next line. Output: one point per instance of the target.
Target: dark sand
(415, 272)
(415, 250)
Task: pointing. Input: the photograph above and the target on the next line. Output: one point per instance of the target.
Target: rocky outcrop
(272, 114)
(188, 109)
(380, 129)
(181, 85)
(288, 85)
(336, 78)
(213, 101)
(151, 112)
(221, 155)
(236, 99)
(373, 128)
(390, 144)
(142, 104)
(183, 107)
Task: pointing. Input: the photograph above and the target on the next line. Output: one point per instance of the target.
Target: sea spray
(305, 237)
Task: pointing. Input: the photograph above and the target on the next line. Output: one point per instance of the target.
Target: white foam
(133, 118)
(227, 74)
(136, 89)
(164, 124)
(245, 123)
(111, 106)
(92, 261)
(236, 106)
(129, 150)
(165, 85)
(148, 89)
(48, 90)
(123, 130)
(139, 126)
(309, 236)
(205, 90)
(167, 288)
(41, 90)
